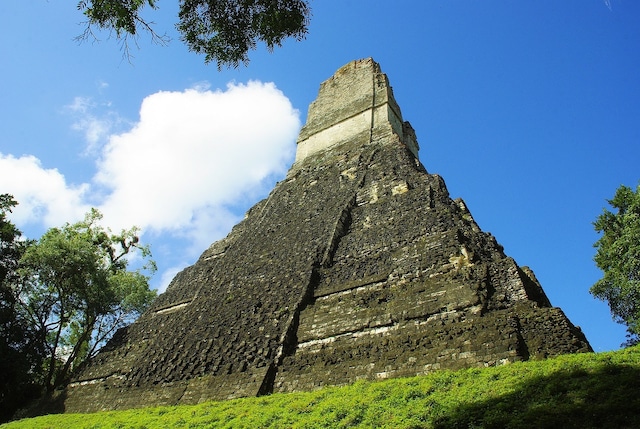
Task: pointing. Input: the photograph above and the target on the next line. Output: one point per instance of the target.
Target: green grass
(575, 391)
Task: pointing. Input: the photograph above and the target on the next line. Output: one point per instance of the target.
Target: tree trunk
(86, 333)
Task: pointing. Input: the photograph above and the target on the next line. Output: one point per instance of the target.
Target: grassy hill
(575, 391)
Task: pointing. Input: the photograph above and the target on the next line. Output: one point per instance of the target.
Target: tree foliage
(618, 256)
(20, 354)
(61, 298)
(76, 290)
(224, 31)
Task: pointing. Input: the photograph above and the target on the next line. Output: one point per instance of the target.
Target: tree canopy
(61, 298)
(76, 290)
(224, 31)
(618, 256)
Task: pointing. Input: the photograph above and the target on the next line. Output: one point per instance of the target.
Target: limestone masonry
(358, 265)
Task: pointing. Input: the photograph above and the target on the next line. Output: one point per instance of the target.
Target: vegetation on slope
(572, 391)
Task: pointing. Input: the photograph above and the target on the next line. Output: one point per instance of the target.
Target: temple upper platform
(357, 102)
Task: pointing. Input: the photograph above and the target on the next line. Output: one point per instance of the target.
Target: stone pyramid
(358, 265)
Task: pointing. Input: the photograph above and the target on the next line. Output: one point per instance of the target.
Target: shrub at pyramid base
(358, 265)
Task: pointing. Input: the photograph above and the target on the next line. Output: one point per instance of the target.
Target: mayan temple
(358, 265)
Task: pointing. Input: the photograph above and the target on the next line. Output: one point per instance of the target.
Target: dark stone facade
(357, 265)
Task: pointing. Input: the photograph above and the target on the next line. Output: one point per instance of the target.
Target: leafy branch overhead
(224, 31)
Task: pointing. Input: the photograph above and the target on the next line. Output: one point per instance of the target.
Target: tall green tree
(618, 256)
(224, 31)
(76, 290)
(20, 354)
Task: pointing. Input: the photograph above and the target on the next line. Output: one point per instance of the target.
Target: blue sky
(530, 110)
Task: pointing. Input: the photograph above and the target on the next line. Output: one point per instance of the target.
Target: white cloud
(201, 86)
(191, 155)
(43, 194)
(178, 173)
(194, 152)
(96, 127)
